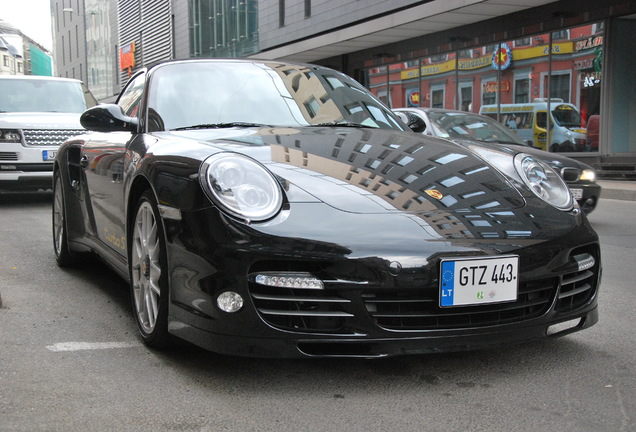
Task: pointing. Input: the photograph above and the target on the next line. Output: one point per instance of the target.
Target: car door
(103, 157)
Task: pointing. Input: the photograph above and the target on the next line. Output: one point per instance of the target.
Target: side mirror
(414, 123)
(108, 118)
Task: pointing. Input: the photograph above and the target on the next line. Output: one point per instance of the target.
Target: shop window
(437, 98)
(466, 98)
(522, 90)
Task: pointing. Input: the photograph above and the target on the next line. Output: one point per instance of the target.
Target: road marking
(80, 346)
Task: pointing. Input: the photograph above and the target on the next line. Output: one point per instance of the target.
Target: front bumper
(364, 347)
(26, 177)
(365, 309)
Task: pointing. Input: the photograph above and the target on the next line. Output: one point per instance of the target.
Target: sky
(31, 17)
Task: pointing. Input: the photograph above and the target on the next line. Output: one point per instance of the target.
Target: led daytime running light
(289, 280)
(584, 261)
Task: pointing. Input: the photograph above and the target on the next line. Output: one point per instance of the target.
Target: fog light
(288, 280)
(229, 301)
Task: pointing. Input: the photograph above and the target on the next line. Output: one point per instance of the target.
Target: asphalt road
(70, 360)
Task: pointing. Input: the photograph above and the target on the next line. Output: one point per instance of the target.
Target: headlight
(10, 135)
(588, 175)
(544, 181)
(241, 186)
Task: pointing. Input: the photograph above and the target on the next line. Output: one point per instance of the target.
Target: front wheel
(148, 273)
(63, 255)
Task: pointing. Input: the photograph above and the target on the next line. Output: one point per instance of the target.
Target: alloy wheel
(58, 216)
(146, 268)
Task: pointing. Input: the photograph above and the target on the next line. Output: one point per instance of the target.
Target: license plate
(577, 193)
(48, 155)
(469, 281)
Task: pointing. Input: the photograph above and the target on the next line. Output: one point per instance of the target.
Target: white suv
(37, 114)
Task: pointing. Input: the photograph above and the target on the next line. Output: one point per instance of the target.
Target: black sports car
(269, 209)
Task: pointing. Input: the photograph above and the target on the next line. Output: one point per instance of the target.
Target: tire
(63, 255)
(147, 265)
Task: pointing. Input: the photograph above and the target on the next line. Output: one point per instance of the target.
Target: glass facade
(514, 81)
(100, 54)
(223, 28)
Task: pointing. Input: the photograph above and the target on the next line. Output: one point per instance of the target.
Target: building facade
(428, 53)
(21, 55)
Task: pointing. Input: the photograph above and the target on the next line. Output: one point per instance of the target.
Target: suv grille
(8, 156)
(48, 137)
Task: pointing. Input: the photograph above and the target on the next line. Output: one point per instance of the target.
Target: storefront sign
(127, 57)
(591, 42)
(590, 79)
(413, 98)
(474, 63)
(491, 86)
(543, 50)
(502, 57)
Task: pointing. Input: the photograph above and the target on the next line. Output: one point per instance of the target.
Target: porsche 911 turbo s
(269, 209)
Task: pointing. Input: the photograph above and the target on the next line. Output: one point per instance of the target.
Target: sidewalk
(620, 190)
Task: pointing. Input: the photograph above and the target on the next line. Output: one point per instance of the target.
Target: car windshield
(566, 116)
(472, 127)
(41, 95)
(212, 94)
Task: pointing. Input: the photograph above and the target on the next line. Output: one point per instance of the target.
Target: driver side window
(130, 98)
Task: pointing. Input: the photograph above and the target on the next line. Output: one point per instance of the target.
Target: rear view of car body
(37, 114)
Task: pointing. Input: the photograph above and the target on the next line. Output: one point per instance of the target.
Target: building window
(522, 90)
(281, 13)
(223, 28)
(466, 95)
(437, 98)
(307, 8)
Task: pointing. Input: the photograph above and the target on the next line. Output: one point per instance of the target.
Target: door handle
(84, 162)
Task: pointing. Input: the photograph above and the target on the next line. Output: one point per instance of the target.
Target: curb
(625, 191)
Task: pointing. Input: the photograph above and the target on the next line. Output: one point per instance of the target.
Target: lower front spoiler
(295, 346)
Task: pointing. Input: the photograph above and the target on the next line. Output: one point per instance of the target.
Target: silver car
(37, 114)
(462, 126)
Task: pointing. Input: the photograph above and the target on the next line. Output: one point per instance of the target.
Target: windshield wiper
(220, 126)
(342, 124)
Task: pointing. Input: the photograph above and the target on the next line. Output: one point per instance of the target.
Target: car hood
(554, 160)
(44, 120)
(363, 170)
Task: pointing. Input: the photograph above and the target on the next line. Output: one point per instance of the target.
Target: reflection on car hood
(372, 170)
(556, 161)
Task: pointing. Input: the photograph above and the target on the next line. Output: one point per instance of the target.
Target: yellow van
(529, 121)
